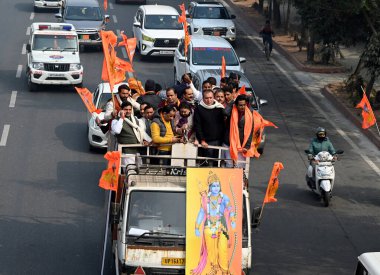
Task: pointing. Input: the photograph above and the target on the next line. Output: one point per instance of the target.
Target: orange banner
(273, 183)
(130, 46)
(87, 99)
(110, 177)
(369, 118)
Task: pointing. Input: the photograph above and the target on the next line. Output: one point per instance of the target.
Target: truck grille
(56, 67)
(166, 43)
(213, 31)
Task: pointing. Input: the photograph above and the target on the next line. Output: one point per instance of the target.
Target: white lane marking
(28, 31)
(19, 70)
(114, 18)
(4, 136)
(110, 5)
(124, 52)
(118, 33)
(31, 16)
(23, 51)
(12, 103)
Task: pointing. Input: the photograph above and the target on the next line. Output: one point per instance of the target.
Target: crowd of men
(214, 116)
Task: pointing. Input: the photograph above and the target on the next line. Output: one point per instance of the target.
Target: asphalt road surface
(52, 212)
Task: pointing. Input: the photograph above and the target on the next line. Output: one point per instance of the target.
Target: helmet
(321, 132)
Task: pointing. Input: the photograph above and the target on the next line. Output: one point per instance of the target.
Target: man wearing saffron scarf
(239, 132)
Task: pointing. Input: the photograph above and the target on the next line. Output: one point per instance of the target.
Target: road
(52, 211)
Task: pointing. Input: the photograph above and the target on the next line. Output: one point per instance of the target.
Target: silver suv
(211, 18)
(87, 18)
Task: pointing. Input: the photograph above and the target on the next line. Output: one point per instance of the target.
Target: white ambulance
(53, 56)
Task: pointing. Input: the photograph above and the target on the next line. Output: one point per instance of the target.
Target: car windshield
(153, 211)
(162, 22)
(213, 56)
(44, 42)
(104, 98)
(210, 13)
(83, 13)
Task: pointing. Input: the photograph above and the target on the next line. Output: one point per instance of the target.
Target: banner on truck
(214, 202)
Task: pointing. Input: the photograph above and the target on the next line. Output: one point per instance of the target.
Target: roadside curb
(373, 137)
(243, 11)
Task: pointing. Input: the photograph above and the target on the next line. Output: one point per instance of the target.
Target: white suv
(205, 52)
(157, 30)
(211, 18)
(47, 4)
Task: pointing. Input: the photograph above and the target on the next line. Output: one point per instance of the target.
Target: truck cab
(53, 56)
(148, 217)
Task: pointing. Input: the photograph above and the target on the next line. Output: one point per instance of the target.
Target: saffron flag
(110, 177)
(182, 19)
(369, 118)
(87, 99)
(273, 183)
(105, 4)
(259, 123)
(130, 46)
(223, 74)
(242, 90)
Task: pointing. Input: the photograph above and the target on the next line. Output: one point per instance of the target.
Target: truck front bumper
(56, 78)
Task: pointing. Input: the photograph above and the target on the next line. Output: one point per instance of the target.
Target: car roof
(105, 88)
(159, 9)
(208, 3)
(371, 261)
(82, 3)
(206, 73)
(209, 41)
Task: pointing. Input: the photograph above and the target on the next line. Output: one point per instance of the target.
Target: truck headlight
(147, 38)
(75, 67)
(38, 65)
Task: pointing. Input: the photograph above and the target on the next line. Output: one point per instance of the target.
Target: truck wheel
(32, 86)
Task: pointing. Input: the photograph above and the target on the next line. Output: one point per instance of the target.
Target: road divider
(4, 136)
(12, 103)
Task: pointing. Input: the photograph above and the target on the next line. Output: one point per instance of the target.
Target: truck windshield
(83, 13)
(156, 211)
(44, 42)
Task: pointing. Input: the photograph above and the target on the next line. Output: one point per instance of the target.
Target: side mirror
(137, 24)
(106, 18)
(339, 152)
(233, 16)
(28, 48)
(58, 15)
(182, 59)
(242, 59)
(263, 102)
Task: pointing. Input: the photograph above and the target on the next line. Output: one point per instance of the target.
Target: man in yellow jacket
(162, 129)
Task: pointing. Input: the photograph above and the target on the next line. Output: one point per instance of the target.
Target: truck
(147, 214)
(53, 56)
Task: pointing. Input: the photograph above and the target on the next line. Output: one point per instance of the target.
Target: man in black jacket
(150, 95)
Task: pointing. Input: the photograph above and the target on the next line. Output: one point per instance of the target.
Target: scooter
(321, 177)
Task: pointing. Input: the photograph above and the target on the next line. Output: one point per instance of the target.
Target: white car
(96, 138)
(211, 18)
(47, 4)
(205, 52)
(157, 30)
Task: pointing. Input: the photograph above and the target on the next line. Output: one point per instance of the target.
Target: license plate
(84, 40)
(51, 4)
(217, 33)
(55, 75)
(172, 261)
(85, 37)
(166, 52)
(176, 172)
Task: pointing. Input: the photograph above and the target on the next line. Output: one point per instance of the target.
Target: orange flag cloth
(110, 177)
(105, 4)
(259, 124)
(273, 183)
(130, 46)
(242, 90)
(223, 74)
(87, 99)
(369, 118)
(182, 19)
(235, 145)
(135, 84)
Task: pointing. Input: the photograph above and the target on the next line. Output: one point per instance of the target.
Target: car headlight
(233, 30)
(38, 65)
(75, 67)
(147, 38)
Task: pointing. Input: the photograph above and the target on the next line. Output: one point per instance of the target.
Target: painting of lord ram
(214, 221)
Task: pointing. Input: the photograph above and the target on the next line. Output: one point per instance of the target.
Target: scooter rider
(318, 144)
(321, 143)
